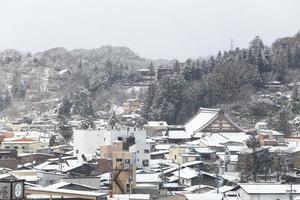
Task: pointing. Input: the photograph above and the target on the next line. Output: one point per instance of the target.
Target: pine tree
(148, 102)
(64, 127)
(177, 67)
(87, 123)
(151, 70)
(253, 144)
(297, 56)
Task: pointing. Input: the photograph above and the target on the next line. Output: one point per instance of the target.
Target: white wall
(88, 141)
(139, 150)
(92, 182)
(245, 196)
(48, 178)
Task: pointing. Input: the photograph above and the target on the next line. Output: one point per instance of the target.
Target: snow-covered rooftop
(186, 173)
(178, 134)
(206, 196)
(217, 139)
(147, 178)
(269, 188)
(157, 123)
(204, 116)
(162, 146)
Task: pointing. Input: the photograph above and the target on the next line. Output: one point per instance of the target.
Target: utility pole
(217, 182)
(199, 177)
(217, 176)
(179, 177)
(291, 192)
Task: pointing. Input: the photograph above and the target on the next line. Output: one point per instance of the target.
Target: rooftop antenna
(231, 44)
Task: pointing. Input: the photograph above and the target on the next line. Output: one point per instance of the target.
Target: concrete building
(97, 138)
(140, 152)
(124, 173)
(23, 145)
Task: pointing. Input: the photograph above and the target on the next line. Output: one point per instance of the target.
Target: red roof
(24, 140)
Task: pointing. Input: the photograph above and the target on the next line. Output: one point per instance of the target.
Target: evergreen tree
(113, 120)
(297, 56)
(64, 127)
(87, 123)
(148, 102)
(253, 144)
(108, 66)
(177, 67)
(151, 70)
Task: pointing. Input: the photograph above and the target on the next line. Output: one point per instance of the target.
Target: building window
(128, 188)
(120, 138)
(146, 151)
(23, 147)
(7, 147)
(15, 147)
(175, 157)
(127, 161)
(146, 163)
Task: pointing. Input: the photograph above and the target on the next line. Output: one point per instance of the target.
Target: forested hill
(90, 81)
(33, 84)
(235, 81)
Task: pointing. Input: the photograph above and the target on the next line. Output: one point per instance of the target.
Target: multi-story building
(134, 141)
(23, 145)
(124, 165)
(139, 152)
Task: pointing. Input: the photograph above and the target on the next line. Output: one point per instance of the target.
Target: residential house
(270, 137)
(131, 105)
(8, 158)
(177, 135)
(189, 177)
(23, 145)
(156, 126)
(266, 191)
(182, 154)
(292, 140)
(163, 71)
(295, 154)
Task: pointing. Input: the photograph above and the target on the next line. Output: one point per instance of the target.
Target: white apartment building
(87, 142)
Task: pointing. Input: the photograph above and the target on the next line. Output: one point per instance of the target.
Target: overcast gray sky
(152, 28)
